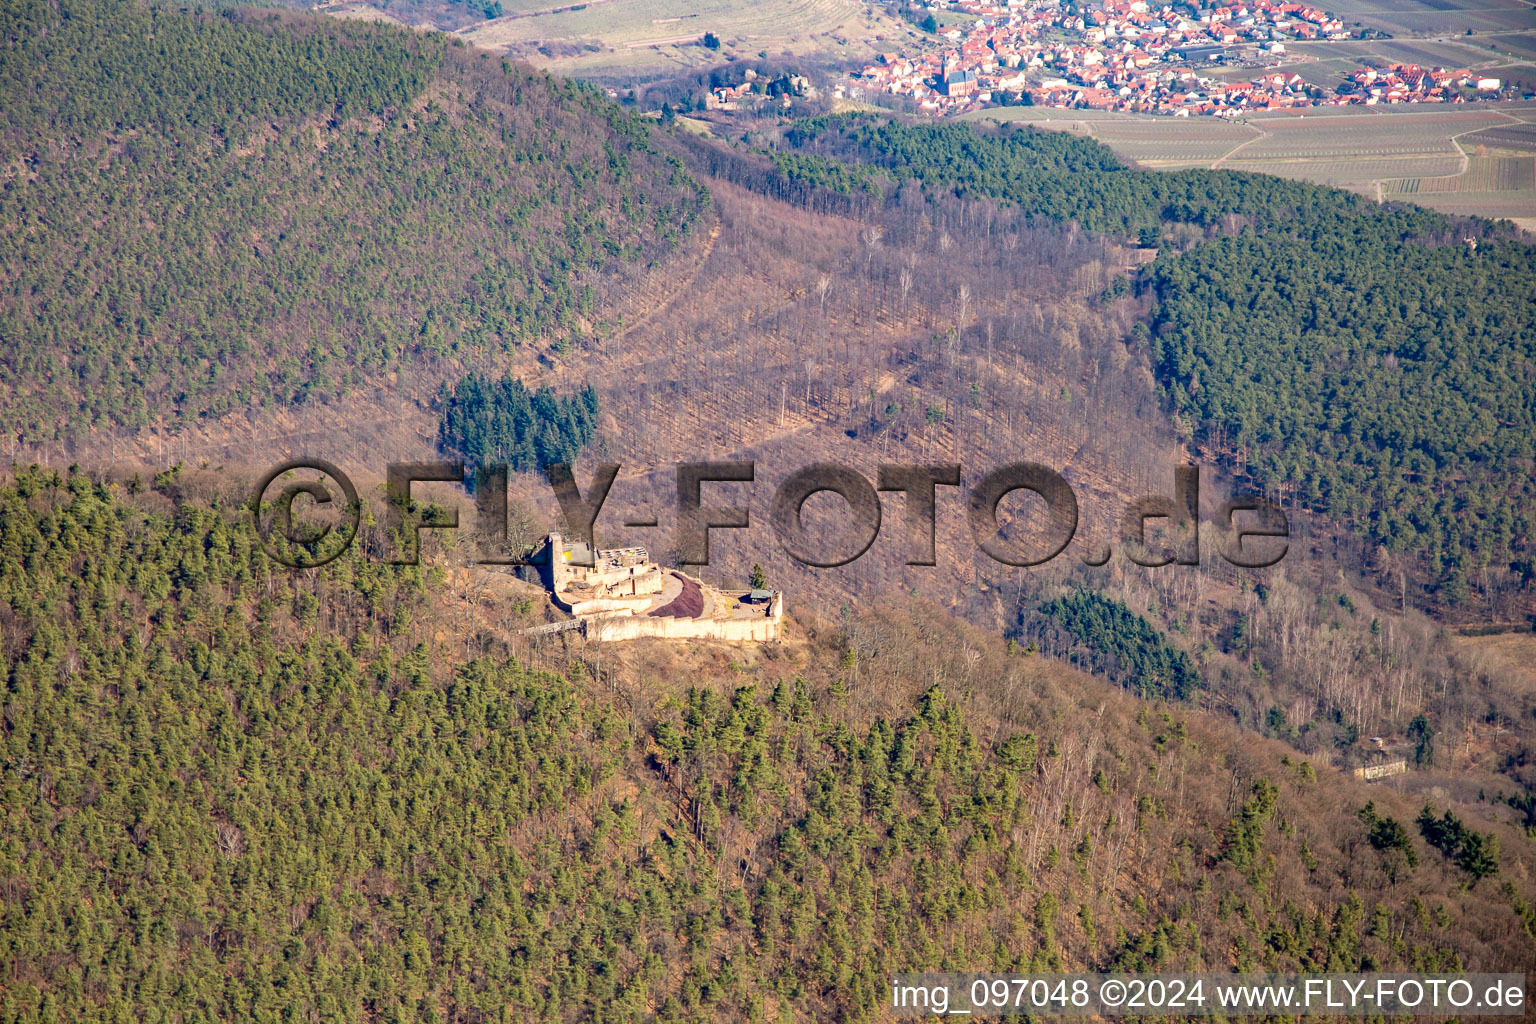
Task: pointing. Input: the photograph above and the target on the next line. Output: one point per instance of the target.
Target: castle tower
(557, 570)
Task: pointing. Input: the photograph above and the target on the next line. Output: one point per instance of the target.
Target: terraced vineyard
(1523, 45)
(1149, 142)
(1484, 174)
(1360, 136)
(1427, 17)
(1514, 136)
(1519, 207)
(1346, 173)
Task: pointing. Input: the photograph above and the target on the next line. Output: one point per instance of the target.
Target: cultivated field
(1434, 17)
(1469, 160)
(1361, 174)
(1349, 150)
(1515, 45)
(1517, 137)
(1484, 174)
(1159, 142)
(1147, 141)
(627, 38)
(1352, 53)
(1326, 73)
(1510, 56)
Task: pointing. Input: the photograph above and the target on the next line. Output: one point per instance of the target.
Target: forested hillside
(231, 791)
(205, 213)
(1393, 386)
(1378, 363)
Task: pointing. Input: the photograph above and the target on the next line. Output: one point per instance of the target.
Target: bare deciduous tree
(962, 310)
(871, 236)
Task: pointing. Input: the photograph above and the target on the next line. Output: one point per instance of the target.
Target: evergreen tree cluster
(1476, 853)
(1245, 833)
(1389, 838)
(500, 422)
(806, 171)
(1123, 645)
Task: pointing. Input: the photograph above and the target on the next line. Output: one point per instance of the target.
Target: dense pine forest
(1378, 363)
(1123, 645)
(212, 213)
(231, 791)
(1391, 385)
(500, 422)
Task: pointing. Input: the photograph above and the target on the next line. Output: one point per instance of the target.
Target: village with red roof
(1128, 55)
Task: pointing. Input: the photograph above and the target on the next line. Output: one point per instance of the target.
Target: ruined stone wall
(630, 627)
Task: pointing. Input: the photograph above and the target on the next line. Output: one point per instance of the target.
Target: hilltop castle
(620, 594)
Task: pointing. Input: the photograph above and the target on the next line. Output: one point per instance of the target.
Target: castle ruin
(620, 594)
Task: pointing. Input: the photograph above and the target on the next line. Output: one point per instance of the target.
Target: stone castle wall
(631, 627)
